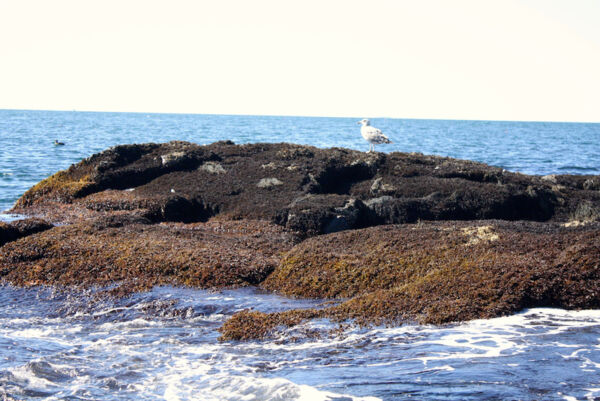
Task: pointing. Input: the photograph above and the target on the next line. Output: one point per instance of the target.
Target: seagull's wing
(371, 134)
(374, 135)
(372, 131)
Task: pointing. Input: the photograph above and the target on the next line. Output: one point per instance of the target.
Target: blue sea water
(163, 344)
(27, 154)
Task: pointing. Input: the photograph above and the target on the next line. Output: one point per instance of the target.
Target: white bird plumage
(372, 135)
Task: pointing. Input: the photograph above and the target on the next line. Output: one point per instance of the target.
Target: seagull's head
(364, 122)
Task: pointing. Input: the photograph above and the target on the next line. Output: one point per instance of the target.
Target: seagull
(56, 143)
(372, 135)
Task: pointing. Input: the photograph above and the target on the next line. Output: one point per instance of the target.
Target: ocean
(57, 345)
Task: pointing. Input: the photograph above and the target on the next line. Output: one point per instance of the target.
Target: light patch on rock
(591, 184)
(300, 199)
(382, 200)
(480, 234)
(586, 212)
(550, 178)
(212, 168)
(575, 223)
(270, 165)
(292, 167)
(312, 181)
(171, 158)
(268, 182)
(379, 187)
(294, 152)
(364, 162)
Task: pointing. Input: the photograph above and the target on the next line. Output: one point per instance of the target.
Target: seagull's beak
(359, 122)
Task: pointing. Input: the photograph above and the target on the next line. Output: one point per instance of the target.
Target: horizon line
(302, 116)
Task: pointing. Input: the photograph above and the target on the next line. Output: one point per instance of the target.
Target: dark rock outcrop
(397, 236)
(21, 228)
(305, 189)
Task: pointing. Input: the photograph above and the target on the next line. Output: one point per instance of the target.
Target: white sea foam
(215, 387)
(8, 217)
(592, 393)
(138, 355)
(41, 375)
(31, 333)
(138, 323)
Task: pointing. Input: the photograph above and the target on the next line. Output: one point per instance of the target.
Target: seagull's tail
(386, 140)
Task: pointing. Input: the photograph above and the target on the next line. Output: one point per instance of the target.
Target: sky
(531, 60)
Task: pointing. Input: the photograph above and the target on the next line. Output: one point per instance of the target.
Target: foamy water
(163, 345)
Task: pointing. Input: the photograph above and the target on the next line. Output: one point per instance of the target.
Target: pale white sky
(460, 59)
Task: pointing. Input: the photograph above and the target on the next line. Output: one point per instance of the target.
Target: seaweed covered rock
(394, 237)
(130, 251)
(308, 190)
(438, 272)
(21, 228)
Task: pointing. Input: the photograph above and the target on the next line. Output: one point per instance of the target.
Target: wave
(578, 168)
(7, 217)
(131, 350)
(242, 388)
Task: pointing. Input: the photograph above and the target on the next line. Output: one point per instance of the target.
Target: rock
(586, 212)
(21, 228)
(172, 158)
(310, 184)
(269, 182)
(138, 255)
(378, 187)
(421, 187)
(270, 165)
(437, 272)
(591, 184)
(212, 168)
(398, 236)
(351, 215)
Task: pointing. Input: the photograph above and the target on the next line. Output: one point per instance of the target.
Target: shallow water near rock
(163, 345)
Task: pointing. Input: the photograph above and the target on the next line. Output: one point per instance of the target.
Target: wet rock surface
(400, 236)
(138, 255)
(439, 272)
(21, 228)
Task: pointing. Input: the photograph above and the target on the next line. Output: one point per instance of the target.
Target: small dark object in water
(58, 143)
